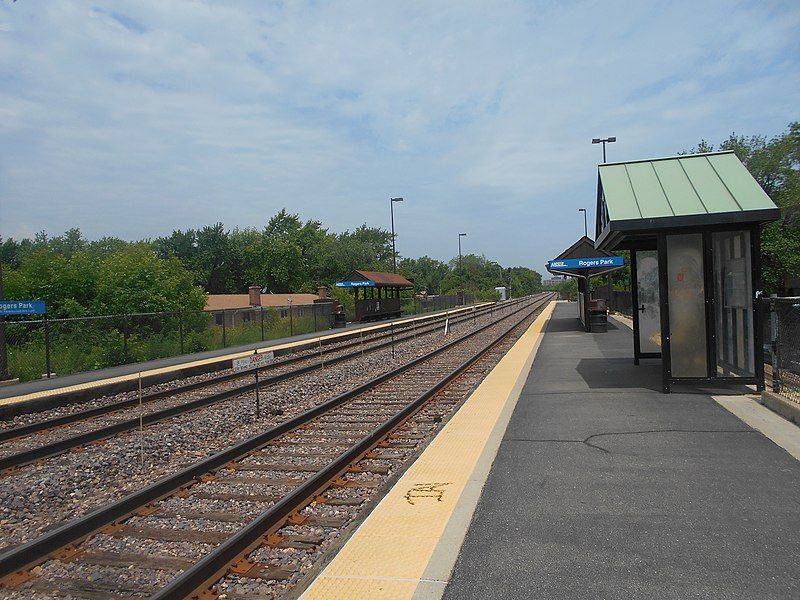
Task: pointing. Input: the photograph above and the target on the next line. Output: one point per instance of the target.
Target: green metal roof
(695, 189)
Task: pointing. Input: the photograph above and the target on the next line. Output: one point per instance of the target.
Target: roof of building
(694, 189)
(377, 278)
(231, 301)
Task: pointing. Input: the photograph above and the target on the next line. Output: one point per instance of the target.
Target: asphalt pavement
(604, 487)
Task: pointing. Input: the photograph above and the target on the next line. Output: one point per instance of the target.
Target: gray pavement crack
(587, 441)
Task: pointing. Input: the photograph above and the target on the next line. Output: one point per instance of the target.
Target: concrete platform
(567, 474)
(123, 377)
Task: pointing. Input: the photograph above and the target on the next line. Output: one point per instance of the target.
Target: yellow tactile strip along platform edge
(177, 367)
(389, 553)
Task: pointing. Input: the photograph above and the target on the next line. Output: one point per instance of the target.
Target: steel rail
(208, 570)
(20, 459)
(36, 551)
(26, 430)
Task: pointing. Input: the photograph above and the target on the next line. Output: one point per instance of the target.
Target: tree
(134, 279)
(426, 273)
(68, 244)
(366, 247)
(290, 256)
(66, 285)
(477, 275)
(525, 281)
(775, 165)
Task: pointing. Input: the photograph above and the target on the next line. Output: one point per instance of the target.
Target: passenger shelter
(377, 295)
(692, 224)
(583, 261)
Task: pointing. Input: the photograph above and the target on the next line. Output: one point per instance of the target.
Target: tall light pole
(460, 235)
(604, 141)
(391, 210)
(585, 226)
(4, 375)
(460, 268)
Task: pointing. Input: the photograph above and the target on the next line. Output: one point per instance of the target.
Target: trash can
(339, 320)
(598, 316)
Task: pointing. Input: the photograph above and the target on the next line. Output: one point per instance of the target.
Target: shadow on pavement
(603, 373)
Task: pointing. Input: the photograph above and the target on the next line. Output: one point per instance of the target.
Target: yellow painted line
(196, 363)
(388, 555)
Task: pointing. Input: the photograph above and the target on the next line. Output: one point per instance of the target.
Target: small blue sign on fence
(22, 307)
(587, 263)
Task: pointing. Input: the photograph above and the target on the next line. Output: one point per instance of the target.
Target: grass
(95, 346)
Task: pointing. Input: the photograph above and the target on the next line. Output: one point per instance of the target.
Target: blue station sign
(359, 283)
(22, 307)
(587, 263)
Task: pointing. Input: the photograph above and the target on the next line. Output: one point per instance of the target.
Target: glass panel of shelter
(649, 317)
(733, 306)
(687, 308)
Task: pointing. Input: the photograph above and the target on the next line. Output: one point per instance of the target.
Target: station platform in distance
(568, 474)
(79, 386)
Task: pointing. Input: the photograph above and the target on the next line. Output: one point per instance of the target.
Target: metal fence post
(224, 335)
(291, 323)
(180, 329)
(125, 339)
(47, 345)
(262, 323)
(775, 346)
(4, 374)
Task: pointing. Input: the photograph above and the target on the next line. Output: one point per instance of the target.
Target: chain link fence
(415, 306)
(782, 346)
(50, 347)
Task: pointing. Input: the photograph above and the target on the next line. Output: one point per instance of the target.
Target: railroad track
(179, 536)
(227, 386)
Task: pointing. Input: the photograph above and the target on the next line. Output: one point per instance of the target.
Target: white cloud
(133, 118)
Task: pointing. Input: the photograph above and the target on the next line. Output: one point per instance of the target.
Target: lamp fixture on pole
(604, 141)
(585, 225)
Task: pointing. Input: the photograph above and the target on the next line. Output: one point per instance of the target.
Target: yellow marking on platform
(388, 554)
(197, 363)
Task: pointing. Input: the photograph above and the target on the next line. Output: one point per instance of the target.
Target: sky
(134, 118)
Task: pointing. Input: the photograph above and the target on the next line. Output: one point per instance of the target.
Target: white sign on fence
(252, 362)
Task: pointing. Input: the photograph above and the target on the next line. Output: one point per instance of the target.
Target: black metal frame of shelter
(652, 234)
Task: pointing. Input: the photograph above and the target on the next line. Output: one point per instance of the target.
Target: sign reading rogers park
(587, 263)
(22, 307)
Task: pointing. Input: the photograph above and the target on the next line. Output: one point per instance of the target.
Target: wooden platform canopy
(377, 294)
(693, 226)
